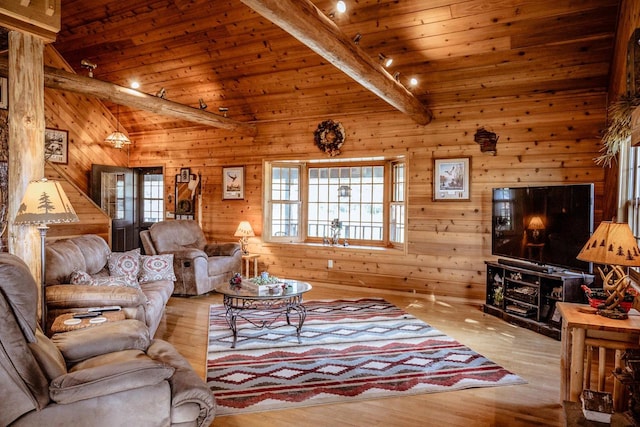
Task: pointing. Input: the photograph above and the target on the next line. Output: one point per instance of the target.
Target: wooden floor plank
(533, 357)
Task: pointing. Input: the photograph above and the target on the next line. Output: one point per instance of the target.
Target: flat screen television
(545, 225)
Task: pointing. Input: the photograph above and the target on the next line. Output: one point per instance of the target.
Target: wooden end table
(246, 258)
(59, 326)
(576, 325)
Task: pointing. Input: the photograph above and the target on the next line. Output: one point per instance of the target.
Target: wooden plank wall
(544, 139)
(88, 122)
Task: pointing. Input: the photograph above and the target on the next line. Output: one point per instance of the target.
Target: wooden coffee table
(283, 298)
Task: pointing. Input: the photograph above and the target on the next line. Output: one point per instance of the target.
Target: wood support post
(26, 138)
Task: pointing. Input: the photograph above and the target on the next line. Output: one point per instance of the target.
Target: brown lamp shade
(45, 202)
(611, 244)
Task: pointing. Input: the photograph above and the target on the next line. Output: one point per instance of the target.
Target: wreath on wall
(329, 137)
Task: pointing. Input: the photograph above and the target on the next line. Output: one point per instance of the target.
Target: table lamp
(244, 231)
(612, 245)
(44, 202)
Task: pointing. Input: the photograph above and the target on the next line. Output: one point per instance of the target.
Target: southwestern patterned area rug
(351, 349)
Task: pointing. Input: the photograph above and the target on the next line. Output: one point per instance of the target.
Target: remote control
(103, 309)
(87, 314)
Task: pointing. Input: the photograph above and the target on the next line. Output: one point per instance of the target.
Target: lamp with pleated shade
(244, 231)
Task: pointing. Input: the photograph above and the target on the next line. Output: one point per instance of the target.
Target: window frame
(303, 203)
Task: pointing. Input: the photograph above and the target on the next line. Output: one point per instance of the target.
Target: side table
(580, 328)
(246, 258)
(59, 326)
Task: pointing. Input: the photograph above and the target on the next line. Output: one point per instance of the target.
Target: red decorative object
(598, 297)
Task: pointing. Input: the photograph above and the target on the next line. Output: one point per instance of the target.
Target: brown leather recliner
(106, 375)
(199, 266)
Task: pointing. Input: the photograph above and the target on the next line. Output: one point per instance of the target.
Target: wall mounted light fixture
(202, 104)
(162, 93)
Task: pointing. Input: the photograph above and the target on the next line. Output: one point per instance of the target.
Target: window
(396, 210)
(285, 201)
(152, 198)
(362, 202)
(503, 209)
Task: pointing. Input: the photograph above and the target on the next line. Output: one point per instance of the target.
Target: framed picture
(185, 174)
(56, 145)
(4, 94)
(451, 179)
(233, 182)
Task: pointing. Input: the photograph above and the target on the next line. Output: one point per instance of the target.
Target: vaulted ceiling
(224, 52)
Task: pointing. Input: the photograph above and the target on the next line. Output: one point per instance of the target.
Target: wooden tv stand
(527, 297)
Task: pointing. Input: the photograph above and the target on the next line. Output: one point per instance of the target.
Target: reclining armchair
(199, 266)
(106, 375)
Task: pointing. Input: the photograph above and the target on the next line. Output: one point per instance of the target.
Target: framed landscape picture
(233, 183)
(56, 145)
(451, 179)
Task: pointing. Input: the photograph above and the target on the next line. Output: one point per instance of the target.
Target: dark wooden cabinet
(527, 297)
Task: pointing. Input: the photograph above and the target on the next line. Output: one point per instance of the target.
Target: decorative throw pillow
(79, 277)
(125, 281)
(124, 263)
(156, 267)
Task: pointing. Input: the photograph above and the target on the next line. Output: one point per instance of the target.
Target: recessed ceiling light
(135, 85)
(413, 81)
(341, 6)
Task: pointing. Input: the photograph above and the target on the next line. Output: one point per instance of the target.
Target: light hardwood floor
(533, 357)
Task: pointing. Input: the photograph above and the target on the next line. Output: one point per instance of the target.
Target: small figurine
(236, 280)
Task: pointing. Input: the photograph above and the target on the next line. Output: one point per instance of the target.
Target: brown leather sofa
(90, 253)
(199, 266)
(106, 375)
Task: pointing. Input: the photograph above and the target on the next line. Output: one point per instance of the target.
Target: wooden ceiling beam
(304, 21)
(66, 81)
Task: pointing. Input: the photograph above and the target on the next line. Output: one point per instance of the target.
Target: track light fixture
(203, 106)
(162, 93)
(85, 63)
(223, 110)
(396, 76)
(356, 38)
(385, 61)
(341, 7)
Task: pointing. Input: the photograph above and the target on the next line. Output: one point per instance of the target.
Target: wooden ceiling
(461, 51)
